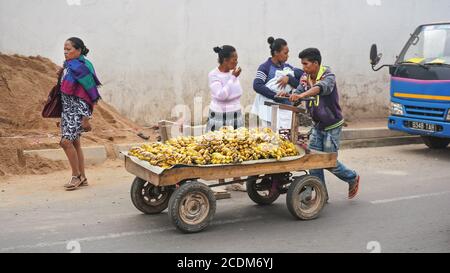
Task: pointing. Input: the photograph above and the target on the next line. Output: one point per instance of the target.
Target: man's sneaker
(353, 188)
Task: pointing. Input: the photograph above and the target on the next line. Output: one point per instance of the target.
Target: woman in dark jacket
(274, 77)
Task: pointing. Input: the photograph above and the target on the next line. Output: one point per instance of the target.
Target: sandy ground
(18, 189)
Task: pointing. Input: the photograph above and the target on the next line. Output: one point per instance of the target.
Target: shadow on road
(443, 154)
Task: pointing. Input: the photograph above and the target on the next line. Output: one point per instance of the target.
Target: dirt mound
(24, 86)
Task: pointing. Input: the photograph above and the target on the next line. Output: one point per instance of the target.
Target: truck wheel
(435, 142)
(149, 198)
(261, 191)
(300, 203)
(192, 207)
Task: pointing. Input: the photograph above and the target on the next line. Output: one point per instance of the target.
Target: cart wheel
(148, 198)
(306, 197)
(192, 207)
(261, 191)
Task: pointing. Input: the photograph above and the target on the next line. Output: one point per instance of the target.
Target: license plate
(422, 126)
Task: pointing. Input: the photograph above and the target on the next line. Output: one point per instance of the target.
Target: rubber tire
(256, 197)
(294, 192)
(139, 201)
(174, 205)
(435, 142)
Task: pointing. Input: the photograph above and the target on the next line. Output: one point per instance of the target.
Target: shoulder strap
(60, 74)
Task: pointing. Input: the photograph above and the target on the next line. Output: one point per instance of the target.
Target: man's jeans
(328, 142)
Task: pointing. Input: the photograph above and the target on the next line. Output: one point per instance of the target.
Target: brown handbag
(53, 106)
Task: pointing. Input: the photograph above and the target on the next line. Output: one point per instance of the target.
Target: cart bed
(166, 177)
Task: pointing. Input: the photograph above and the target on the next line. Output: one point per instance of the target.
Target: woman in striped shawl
(78, 95)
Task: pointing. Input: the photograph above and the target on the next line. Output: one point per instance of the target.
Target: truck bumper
(398, 123)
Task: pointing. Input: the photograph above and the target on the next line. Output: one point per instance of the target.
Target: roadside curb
(375, 137)
(380, 142)
(92, 154)
(367, 133)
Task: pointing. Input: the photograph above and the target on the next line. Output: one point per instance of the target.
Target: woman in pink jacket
(226, 91)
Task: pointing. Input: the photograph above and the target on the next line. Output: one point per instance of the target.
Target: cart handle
(300, 100)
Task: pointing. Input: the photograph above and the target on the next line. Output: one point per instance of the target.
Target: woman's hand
(282, 82)
(295, 97)
(236, 72)
(59, 71)
(85, 124)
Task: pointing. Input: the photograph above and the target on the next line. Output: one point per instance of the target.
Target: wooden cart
(191, 203)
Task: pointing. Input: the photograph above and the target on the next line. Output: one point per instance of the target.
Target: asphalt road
(403, 206)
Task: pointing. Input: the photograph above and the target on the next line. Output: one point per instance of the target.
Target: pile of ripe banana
(224, 146)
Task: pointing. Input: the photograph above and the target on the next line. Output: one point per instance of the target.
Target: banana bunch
(224, 146)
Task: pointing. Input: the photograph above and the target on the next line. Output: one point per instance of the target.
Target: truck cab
(420, 85)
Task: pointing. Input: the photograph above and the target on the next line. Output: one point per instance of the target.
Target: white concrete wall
(154, 54)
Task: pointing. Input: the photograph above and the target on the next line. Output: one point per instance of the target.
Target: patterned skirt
(217, 120)
(73, 110)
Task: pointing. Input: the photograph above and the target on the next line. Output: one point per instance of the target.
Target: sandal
(74, 183)
(353, 188)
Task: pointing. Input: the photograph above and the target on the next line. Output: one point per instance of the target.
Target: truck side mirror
(374, 56)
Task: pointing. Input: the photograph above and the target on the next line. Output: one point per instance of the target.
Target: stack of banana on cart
(224, 146)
